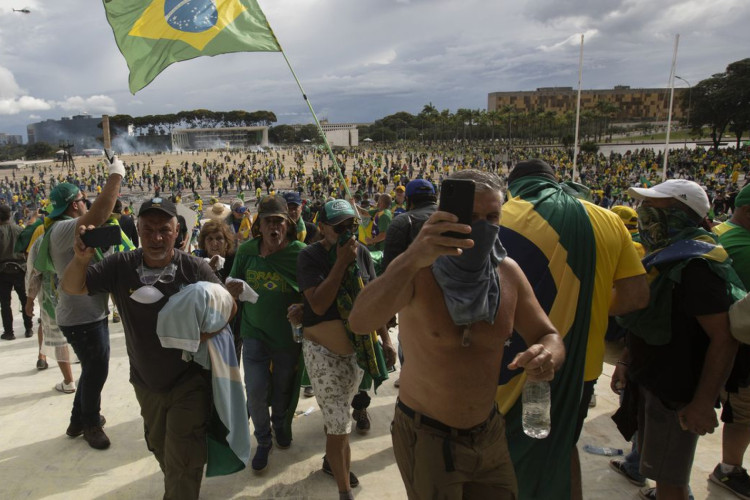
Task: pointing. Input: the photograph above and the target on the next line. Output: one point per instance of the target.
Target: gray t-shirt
(72, 310)
(152, 366)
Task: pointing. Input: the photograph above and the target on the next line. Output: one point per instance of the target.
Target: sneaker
(736, 481)
(363, 421)
(115, 318)
(260, 460)
(95, 437)
(397, 383)
(647, 494)
(8, 336)
(29, 333)
(592, 401)
(66, 388)
(41, 364)
(75, 430)
(619, 466)
(308, 392)
(353, 481)
(283, 441)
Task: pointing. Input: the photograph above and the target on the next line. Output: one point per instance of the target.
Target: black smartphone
(457, 197)
(109, 154)
(102, 237)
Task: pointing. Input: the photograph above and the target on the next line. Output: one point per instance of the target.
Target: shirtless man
(447, 436)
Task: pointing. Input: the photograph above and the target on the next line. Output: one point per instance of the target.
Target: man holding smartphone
(82, 319)
(446, 400)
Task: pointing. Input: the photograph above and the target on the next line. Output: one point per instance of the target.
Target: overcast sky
(360, 60)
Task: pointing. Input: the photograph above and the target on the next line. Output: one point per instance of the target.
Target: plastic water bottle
(297, 333)
(536, 407)
(602, 450)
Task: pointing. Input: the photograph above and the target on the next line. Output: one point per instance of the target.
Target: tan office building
(632, 104)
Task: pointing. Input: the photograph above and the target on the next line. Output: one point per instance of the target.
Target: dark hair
(4, 213)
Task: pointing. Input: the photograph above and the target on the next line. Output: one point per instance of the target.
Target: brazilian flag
(548, 232)
(152, 34)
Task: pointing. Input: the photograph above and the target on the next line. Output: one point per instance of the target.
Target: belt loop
(448, 454)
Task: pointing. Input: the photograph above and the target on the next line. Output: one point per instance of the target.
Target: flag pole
(671, 102)
(317, 122)
(578, 112)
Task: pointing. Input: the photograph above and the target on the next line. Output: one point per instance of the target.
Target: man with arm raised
(447, 435)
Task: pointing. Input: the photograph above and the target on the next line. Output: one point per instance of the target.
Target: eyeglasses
(340, 228)
(149, 276)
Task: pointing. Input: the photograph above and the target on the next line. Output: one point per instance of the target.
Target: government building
(630, 104)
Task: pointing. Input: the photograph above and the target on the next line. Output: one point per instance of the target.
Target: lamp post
(690, 95)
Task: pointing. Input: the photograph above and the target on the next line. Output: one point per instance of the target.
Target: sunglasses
(340, 228)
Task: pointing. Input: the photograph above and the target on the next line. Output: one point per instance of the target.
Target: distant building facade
(344, 135)
(81, 130)
(6, 139)
(631, 104)
(217, 138)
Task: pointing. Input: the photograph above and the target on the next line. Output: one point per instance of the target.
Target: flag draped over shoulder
(549, 234)
(152, 34)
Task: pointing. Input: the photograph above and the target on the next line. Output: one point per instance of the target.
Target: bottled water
(536, 408)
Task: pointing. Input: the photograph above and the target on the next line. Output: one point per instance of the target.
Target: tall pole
(578, 113)
(671, 103)
(690, 98)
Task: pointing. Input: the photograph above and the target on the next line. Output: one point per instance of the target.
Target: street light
(690, 95)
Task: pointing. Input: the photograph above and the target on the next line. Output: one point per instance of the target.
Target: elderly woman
(216, 244)
(268, 263)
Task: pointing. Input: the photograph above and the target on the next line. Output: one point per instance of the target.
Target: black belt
(439, 426)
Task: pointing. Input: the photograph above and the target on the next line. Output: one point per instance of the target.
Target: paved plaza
(38, 461)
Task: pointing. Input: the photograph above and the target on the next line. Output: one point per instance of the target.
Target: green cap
(61, 196)
(743, 198)
(337, 211)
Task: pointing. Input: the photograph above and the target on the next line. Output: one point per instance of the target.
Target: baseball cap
(292, 198)
(628, 215)
(400, 188)
(239, 206)
(743, 198)
(419, 186)
(61, 196)
(685, 191)
(159, 204)
(271, 206)
(337, 211)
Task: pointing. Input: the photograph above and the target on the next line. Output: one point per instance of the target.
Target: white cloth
(248, 294)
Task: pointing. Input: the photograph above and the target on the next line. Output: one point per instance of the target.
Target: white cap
(688, 192)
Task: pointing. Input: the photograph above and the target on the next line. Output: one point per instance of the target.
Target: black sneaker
(29, 333)
(260, 460)
(75, 430)
(95, 437)
(737, 481)
(363, 421)
(8, 336)
(41, 364)
(283, 441)
(353, 481)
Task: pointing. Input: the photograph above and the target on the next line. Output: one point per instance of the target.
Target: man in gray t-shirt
(82, 319)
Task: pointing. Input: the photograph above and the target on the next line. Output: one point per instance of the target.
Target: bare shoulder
(510, 272)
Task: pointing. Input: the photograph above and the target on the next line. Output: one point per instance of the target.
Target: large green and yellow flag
(152, 34)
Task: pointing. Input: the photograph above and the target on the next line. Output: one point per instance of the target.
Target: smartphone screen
(457, 197)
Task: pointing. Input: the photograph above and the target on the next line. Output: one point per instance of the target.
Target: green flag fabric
(154, 34)
(549, 234)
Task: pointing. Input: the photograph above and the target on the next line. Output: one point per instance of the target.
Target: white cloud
(24, 103)
(93, 105)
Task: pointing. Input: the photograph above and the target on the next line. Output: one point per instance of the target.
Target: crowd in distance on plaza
(245, 279)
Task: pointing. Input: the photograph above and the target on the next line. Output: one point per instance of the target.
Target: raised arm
(102, 207)
(389, 293)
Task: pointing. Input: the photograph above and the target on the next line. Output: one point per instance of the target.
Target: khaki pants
(435, 464)
(175, 429)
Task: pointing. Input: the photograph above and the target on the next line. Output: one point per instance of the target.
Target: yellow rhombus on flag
(152, 34)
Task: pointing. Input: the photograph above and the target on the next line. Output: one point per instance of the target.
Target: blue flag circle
(192, 16)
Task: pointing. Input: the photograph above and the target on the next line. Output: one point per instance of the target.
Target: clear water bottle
(297, 333)
(536, 408)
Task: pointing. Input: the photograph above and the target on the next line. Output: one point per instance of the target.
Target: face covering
(469, 281)
(657, 226)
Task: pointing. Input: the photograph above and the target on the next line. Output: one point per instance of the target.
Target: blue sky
(361, 60)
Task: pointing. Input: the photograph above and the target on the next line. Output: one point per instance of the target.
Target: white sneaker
(66, 388)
